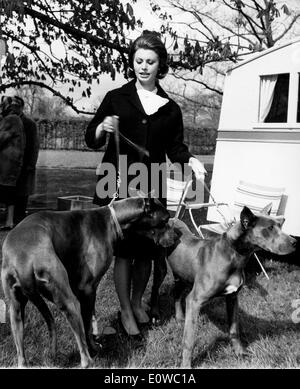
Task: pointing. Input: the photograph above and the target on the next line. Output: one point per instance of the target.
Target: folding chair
(256, 197)
(176, 194)
(178, 198)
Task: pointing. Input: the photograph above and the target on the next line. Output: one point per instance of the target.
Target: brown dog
(62, 256)
(215, 267)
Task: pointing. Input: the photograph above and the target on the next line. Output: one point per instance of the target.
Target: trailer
(259, 130)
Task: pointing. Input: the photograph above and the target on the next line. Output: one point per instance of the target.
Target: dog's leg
(87, 305)
(17, 317)
(38, 301)
(178, 292)
(232, 314)
(159, 273)
(194, 302)
(71, 307)
(56, 284)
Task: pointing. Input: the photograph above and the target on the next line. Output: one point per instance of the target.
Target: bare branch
(250, 20)
(68, 101)
(180, 77)
(212, 106)
(227, 28)
(288, 28)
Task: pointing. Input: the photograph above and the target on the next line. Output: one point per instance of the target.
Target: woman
(151, 120)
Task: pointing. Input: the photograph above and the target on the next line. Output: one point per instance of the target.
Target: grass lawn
(267, 328)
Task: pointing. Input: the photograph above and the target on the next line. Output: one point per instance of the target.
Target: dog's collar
(114, 216)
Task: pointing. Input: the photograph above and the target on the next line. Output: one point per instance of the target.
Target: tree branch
(219, 92)
(295, 18)
(67, 100)
(212, 106)
(251, 22)
(68, 29)
(32, 49)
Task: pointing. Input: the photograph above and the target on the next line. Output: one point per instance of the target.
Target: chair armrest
(203, 205)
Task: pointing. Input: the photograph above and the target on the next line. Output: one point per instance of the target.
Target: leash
(117, 145)
(217, 205)
(141, 150)
(117, 135)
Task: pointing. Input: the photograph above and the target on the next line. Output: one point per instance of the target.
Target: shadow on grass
(252, 326)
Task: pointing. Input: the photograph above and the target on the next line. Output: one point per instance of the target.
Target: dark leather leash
(141, 150)
(117, 136)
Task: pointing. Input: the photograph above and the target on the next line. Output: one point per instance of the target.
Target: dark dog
(215, 267)
(62, 256)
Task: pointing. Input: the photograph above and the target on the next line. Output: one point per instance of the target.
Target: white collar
(150, 101)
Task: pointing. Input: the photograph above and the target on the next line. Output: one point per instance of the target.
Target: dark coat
(12, 144)
(26, 181)
(160, 133)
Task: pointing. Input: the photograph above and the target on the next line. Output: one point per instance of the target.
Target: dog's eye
(271, 228)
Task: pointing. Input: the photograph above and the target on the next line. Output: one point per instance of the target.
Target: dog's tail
(41, 305)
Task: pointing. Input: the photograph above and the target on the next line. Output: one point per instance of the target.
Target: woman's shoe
(136, 340)
(145, 326)
(142, 325)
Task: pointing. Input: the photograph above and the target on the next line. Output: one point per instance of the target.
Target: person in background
(25, 166)
(149, 118)
(12, 145)
(26, 183)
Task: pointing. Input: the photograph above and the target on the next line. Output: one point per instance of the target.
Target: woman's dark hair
(149, 40)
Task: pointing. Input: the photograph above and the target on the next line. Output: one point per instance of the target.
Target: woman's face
(145, 66)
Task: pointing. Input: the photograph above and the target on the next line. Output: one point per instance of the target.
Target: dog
(214, 267)
(62, 256)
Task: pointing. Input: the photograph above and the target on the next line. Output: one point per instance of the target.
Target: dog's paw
(179, 312)
(238, 348)
(156, 321)
(179, 318)
(86, 362)
(95, 346)
(155, 316)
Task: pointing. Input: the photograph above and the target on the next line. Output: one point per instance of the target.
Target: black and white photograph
(149, 187)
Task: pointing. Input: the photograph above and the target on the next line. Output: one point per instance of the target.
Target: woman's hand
(109, 124)
(198, 168)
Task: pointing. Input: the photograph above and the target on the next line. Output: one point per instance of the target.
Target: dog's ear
(152, 193)
(267, 209)
(247, 217)
(280, 219)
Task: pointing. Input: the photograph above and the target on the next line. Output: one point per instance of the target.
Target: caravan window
(274, 93)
